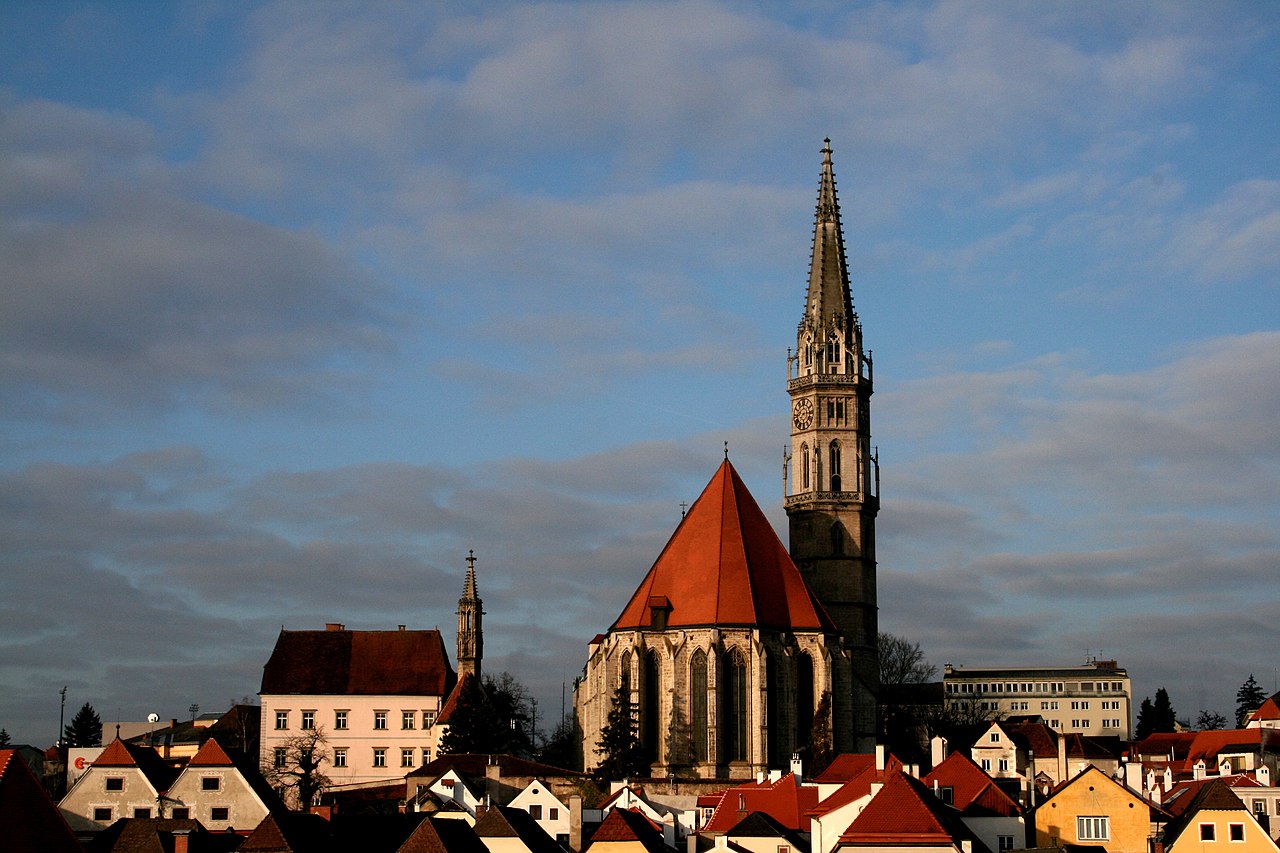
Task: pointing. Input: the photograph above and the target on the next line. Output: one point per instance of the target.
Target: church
(736, 650)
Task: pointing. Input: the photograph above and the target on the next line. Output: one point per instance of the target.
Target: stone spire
(470, 623)
(829, 305)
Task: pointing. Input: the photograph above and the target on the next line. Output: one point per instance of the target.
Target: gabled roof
(506, 822)
(120, 753)
(858, 786)
(973, 792)
(1215, 796)
(905, 813)
(155, 835)
(1179, 798)
(725, 565)
(623, 825)
(1037, 737)
(211, 755)
(358, 663)
(785, 800)
(761, 825)
(29, 820)
(443, 836)
(1269, 710)
(1101, 778)
(1173, 745)
(1208, 745)
(290, 832)
(473, 764)
(846, 766)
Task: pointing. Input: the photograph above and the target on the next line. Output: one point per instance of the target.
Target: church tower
(833, 479)
(470, 624)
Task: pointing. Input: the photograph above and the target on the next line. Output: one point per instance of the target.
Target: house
(1216, 820)
(503, 829)
(546, 809)
(906, 814)
(1093, 808)
(783, 797)
(845, 788)
(29, 821)
(990, 814)
(1267, 716)
(125, 780)
(760, 833)
(372, 696)
(221, 793)
(1093, 699)
(627, 831)
(290, 832)
(137, 834)
(676, 823)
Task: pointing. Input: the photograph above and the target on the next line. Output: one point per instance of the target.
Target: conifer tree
(820, 752)
(621, 752)
(4, 737)
(1248, 698)
(85, 728)
(1157, 716)
(472, 723)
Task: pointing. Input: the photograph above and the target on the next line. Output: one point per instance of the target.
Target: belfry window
(833, 352)
(835, 466)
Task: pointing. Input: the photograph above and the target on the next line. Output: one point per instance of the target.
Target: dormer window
(659, 607)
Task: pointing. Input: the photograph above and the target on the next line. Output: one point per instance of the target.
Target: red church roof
(725, 565)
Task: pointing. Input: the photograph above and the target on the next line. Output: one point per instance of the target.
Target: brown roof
(725, 565)
(630, 825)
(358, 663)
(508, 822)
(1216, 796)
(973, 792)
(904, 812)
(29, 820)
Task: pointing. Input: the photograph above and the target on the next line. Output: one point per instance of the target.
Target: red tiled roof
(846, 766)
(358, 663)
(857, 787)
(904, 813)
(211, 755)
(1269, 710)
(29, 821)
(1209, 744)
(725, 565)
(786, 801)
(121, 754)
(626, 825)
(973, 792)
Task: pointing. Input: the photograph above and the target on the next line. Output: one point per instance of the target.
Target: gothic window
(804, 698)
(649, 724)
(626, 672)
(833, 352)
(804, 466)
(733, 706)
(837, 539)
(698, 704)
(835, 466)
(773, 713)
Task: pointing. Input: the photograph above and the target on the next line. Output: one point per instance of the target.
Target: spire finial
(471, 559)
(726, 451)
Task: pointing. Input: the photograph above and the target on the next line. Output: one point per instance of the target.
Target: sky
(301, 302)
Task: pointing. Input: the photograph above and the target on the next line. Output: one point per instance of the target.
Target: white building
(1092, 700)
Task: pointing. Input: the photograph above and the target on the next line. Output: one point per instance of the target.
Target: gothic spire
(470, 623)
(829, 302)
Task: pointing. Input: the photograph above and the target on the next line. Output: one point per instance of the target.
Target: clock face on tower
(803, 413)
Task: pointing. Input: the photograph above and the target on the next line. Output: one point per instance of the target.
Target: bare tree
(902, 661)
(295, 765)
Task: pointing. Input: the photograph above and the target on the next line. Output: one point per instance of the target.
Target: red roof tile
(121, 754)
(358, 663)
(29, 821)
(786, 801)
(857, 787)
(211, 755)
(725, 565)
(903, 812)
(973, 792)
(1269, 710)
(847, 766)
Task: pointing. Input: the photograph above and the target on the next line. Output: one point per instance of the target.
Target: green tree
(472, 722)
(564, 747)
(85, 728)
(1153, 717)
(819, 748)
(4, 737)
(620, 750)
(296, 766)
(1210, 721)
(1248, 699)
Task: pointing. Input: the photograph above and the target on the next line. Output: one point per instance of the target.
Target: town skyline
(305, 304)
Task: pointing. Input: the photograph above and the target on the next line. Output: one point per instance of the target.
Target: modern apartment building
(1094, 699)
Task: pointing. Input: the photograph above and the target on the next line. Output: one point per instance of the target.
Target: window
(340, 756)
(426, 755)
(986, 765)
(1080, 705)
(1004, 765)
(379, 756)
(181, 813)
(428, 719)
(142, 812)
(408, 719)
(1208, 832)
(1235, 831)
(995, 737)
(947, 795)
(406, 756)
(553, 813)
(210, 783)
(102, 814)
(115, 783)
(308, 720)
(279, 758)
(339, 719)
(1096, 828)
(220, 813)
(535, 811)
(1259, 806)
(282, 720)
(379, 719)
(1005, 842)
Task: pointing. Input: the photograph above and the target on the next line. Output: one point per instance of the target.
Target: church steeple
(470, 623)
(832, 479)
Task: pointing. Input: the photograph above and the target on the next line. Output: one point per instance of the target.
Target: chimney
(879, 756)
(334, 626)
(401, 627)
(181, 840)
(797, 765)
(1062, 759)
(775, 775)
(575, 821)
(937, 749)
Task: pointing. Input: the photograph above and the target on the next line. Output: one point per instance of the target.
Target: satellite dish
(153, 718)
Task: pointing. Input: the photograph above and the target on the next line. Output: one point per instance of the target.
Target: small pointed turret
(470, 623)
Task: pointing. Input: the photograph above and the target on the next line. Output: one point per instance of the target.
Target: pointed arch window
(804, 699)
(698, 704)
(804, 466)
(649, 708)
(625, 676)
(833, 351)
(835, 466)
(733, 705)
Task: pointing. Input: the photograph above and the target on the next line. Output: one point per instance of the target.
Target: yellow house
(1216, 821)
(1095, 809)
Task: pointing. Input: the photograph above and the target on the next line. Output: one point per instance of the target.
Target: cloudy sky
(301, 301)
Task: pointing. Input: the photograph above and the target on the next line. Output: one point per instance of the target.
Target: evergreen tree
(1155, 716)
(820, 752)
(512, 712)
(564, 747)
(1143, 726)
(472, 723)
(621, 752)
(1248, 698)
(85, 729)
(4, 737)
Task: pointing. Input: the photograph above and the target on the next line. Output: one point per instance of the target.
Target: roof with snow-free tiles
(358, 663)
(29, 820)
(785, 800)
(725, 565)
(973, 792)
(904, 812)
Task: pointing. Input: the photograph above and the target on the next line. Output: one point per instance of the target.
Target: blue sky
(303, 301)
